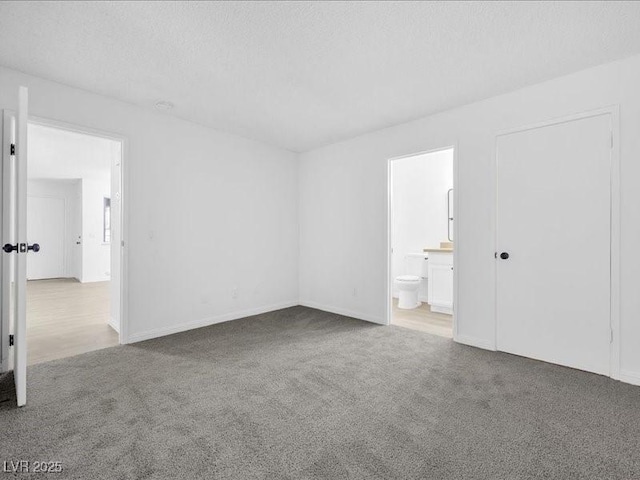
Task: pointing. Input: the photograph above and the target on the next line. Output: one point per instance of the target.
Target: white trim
(95, 279)
(609, 110)
(205, 322)
(124, 238)
(494, 232)
(456, 243)
(627, 376)
(72, 127)
(439, 309)
(475, 342)
(115, 325)
(615, 235)
(5, 327)
(342, 311)
(389, 296)
(614, 364)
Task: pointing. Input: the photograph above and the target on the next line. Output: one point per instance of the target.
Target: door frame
(6, 360)
(456, 203)
(123, 335)
(614, 235)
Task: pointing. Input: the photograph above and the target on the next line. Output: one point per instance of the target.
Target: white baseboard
(629, 377)
(474, 342)
(95, 279)
(342, 311)
(114, 324)
(205, 322)
(440, 309)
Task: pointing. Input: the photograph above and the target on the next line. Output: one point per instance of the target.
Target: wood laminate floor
(66, 318)
(423, 319)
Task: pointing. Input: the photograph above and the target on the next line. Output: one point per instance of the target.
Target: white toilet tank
(416, 264)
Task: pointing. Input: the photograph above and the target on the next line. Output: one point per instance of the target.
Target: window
(106, 220)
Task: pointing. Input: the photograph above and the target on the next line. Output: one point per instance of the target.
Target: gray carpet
(301, 393)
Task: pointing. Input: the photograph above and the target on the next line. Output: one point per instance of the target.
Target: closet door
(553, 243)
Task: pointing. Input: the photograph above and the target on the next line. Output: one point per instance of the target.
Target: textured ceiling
(300, 75)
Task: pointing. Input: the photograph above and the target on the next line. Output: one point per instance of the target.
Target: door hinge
(12, 150)
(611, 335)
(11, 340)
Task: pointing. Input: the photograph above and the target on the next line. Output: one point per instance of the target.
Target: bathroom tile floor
(422, 319)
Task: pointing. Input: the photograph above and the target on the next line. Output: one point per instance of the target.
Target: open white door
(14, 232)
(20, 341)
(8, 236)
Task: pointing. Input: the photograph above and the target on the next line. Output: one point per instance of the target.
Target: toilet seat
(408, 279)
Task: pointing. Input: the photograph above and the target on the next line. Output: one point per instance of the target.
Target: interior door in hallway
(46, 224)
(553, 243)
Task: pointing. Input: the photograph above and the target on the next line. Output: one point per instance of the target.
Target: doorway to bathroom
(421, 220)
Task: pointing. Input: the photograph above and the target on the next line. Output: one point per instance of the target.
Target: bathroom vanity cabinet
(440, 280)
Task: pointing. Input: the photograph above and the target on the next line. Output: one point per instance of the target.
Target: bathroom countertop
(438, 250)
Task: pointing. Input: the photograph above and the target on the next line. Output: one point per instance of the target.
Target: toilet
(409, 285)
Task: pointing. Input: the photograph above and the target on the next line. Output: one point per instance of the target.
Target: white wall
(66, 190)
(208, 212)
(343, 202)
(96, 254)
(420, 185)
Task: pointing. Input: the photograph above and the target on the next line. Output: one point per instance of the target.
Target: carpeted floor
(301, 393)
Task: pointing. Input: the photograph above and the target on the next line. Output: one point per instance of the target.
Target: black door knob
(35, 247)
(504, 255)
(8, 248)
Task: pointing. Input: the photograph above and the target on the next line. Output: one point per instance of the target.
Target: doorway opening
(421, 239)
(74, 214)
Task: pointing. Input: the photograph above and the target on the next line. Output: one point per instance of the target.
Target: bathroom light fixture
(164, 105)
